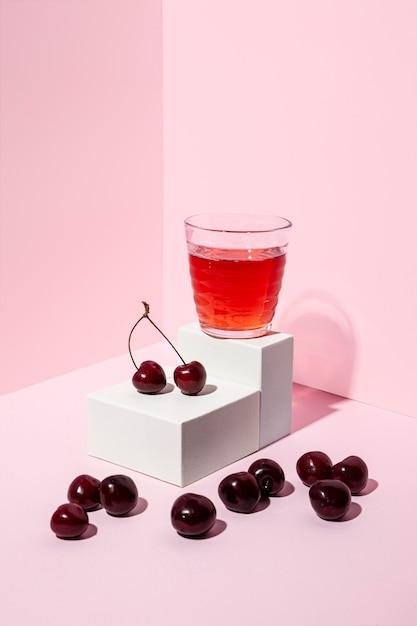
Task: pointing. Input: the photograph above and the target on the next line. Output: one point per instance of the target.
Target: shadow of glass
(325, 341)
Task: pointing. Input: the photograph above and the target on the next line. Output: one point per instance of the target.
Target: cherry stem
(146, 314)
(128, 343)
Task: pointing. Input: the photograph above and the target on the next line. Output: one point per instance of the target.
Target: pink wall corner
(306, 110)
(81, 182)
(300, 109)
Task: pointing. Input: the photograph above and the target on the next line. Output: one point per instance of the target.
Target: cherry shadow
(263, 504)
(207, 390)
(169, 387)
(218, 528)
(89, 532)
(99, 507)
(287, 490)
(371, 485)
(355, 510)
(140, 506)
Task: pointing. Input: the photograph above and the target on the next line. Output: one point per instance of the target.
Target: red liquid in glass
(236, 289)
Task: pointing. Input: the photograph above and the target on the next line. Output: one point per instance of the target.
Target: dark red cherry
(313, 466)
(240, 492)
(190, 378)
(84, 490)
(118, 494)
(269, 475)
(193, 515)
(330, 498)
(69, 521)
(353, 471)
(149, 377)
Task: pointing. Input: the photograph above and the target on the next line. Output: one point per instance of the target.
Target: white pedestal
(245, 405)
(265, 363)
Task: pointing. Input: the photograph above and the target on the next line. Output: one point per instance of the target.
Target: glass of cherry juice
(236, 265)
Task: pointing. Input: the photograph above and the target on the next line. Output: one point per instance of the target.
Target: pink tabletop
(280, 565)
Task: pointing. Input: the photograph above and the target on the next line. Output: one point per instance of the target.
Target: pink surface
(279, 565)
(307, 110)
(81, 182)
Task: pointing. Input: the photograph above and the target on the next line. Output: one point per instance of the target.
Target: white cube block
(170, 436)
(265, 363)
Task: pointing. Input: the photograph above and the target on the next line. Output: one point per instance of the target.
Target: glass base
(221, 333)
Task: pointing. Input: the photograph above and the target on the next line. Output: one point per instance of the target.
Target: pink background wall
(304, 109)
(81, 182)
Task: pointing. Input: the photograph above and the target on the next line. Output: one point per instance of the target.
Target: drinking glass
(236, 263)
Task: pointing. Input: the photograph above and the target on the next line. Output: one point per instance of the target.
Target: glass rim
(287, 224)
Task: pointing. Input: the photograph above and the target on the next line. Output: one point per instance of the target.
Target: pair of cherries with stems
(150, 377)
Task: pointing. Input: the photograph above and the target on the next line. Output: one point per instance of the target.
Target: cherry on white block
(245, 406)
(170, 436)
